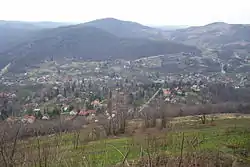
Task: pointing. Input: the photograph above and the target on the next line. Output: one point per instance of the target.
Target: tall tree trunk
(163, 116)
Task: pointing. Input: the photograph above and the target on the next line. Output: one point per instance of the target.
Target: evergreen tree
(64, 92)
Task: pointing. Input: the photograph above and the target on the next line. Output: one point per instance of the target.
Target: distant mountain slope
(31, 25)
(17, 25)
(229, 44)
(9, 37)
(15, 32)
(170, 27)
(88, 43)
(126, 29)
(50, 24)
(213, 35)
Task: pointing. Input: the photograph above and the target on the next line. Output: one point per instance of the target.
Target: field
(220, 142)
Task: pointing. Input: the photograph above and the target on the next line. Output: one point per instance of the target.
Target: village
(82, 88)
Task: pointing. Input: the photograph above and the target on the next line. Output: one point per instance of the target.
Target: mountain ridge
(125, 29)
(103, 38)
(88, 43)
(212, 35)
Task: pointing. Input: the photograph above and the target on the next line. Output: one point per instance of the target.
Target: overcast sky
(153, 12)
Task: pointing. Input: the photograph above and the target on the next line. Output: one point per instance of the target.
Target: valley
(118, 93)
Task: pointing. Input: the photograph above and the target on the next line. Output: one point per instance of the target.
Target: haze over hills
(88, 43)
(125, 29)
(9, 37)
(213, 35)
(169, 27)
(31, 25)
(16, 32)
(228, 42)
(26, 44)
(69, 91)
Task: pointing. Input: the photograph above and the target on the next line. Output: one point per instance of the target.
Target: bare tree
(163, 108)
(8, 144)
(109, 110)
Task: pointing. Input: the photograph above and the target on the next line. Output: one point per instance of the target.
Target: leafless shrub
(212, 159)
(163, 109)
(8, 144)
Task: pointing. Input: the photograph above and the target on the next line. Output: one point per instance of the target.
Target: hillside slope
(10, 37)
(13, 33)
(126, 29)
(88, 43)
(213, 35)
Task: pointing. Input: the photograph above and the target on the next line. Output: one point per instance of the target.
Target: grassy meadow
(185, 142)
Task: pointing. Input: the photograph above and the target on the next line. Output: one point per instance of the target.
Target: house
(11, 120)
(90, 112)
(236, 87)
(180, 93)
(95, 102)
(97, 69)
(64, 108)
(72, 113)
(45, 117)
(37, 110)
(30, 106)
(84, 113)
(166, 92)
(176, 89)
(13, 96)
(195, 88)
(159, 81)
(173, 101)
(28, 119)
(3, 94)
(167, 99)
